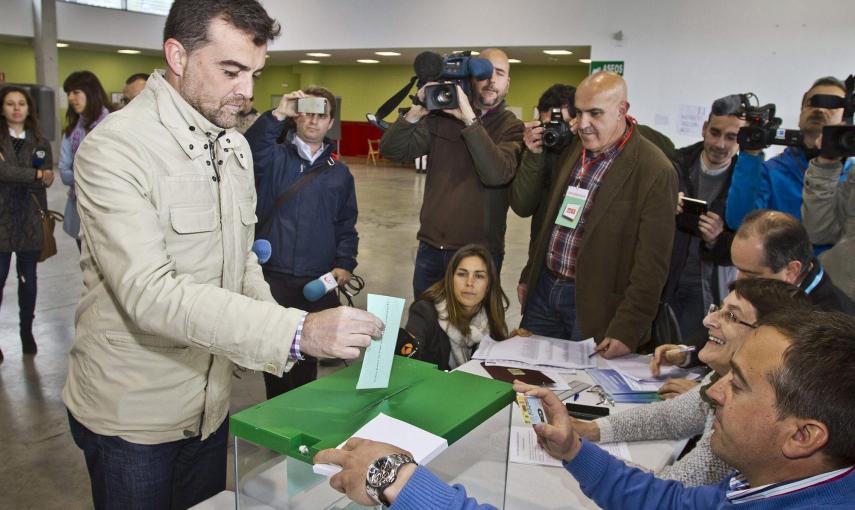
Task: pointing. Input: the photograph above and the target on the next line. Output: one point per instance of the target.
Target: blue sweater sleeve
(612, 485)
(745, 192)
(424, 491)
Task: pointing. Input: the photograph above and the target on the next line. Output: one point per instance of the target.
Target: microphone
(262, 250)
(318, 288)
(38, 158)
(428, 66)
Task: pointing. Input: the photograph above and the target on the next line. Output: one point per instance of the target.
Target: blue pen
(575, 397)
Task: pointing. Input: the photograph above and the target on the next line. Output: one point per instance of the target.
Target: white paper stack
(423, 445)
(537, 353)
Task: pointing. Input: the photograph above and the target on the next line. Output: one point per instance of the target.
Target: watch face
(375, 474)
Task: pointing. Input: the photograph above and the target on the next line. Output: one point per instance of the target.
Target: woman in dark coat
(25, 173)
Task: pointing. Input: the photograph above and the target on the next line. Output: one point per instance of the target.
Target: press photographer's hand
(417, 111)
(288, 105)
(533, 136)
(464, 111)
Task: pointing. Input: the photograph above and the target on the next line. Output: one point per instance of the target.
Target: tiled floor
(41, 468)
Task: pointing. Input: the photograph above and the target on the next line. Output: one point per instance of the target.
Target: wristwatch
(382, 474)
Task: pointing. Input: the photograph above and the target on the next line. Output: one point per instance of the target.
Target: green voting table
(326, 412)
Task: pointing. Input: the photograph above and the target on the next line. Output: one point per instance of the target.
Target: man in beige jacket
(173, 294)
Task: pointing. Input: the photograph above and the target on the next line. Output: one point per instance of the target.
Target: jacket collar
(190, 128)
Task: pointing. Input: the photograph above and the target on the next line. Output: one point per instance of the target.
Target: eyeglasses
(605, 398)
(729, 316)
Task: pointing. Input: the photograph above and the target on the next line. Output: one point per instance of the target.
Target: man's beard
(221, 115)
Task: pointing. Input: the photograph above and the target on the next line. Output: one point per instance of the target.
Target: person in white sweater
(691, 414)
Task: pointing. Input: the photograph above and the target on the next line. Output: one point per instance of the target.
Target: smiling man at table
(785, 419)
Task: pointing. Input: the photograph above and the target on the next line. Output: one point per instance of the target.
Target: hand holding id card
(532, 409)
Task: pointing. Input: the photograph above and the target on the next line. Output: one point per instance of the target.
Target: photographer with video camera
(828, 210)
(474, 149)
(777, 183)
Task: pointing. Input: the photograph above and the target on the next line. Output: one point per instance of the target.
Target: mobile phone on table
(584, 412)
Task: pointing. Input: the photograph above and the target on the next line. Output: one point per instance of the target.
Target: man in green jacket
(600, 259)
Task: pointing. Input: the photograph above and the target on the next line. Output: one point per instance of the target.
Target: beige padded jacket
(173, 293)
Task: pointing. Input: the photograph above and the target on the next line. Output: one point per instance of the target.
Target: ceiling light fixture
(387, 53)
(310, 61)
(367, 61)
(514, 61)
(558, 52)
(585, 60)
(315, 54)
(129, 52)
(61, 45)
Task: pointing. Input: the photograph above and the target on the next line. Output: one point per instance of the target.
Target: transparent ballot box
(276, 440)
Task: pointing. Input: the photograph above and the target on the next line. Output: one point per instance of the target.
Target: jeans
(431, 264)
(287, 290)
(174, 475)
(551, 309)
(25, 264)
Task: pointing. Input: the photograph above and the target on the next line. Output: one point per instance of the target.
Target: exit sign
(614, 66)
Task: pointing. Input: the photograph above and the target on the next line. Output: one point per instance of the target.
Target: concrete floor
(41, 467)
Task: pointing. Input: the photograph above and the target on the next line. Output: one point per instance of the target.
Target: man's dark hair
(557, 96)
(136, 76)
(816, 378)
(189, 20)
(784, 238)
(825, 80)
(769, 296)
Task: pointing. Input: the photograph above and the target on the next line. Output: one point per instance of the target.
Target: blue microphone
(262, 249)
(39, 158)
(318, 288)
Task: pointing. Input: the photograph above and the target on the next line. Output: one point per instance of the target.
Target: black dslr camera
(763, 129)
(839, 141)
(455, 69)
(556, 132)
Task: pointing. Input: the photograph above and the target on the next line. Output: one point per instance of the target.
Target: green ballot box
(276, 440)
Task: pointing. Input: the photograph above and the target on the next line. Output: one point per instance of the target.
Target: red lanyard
(585, 166)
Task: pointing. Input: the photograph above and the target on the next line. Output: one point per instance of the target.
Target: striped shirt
(740, 491)
(564, 244)
(295, 353)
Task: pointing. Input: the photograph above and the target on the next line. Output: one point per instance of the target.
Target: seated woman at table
(691, 414)
(450, 318)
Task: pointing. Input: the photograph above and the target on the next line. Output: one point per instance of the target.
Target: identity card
(532, 409)
(571, 209)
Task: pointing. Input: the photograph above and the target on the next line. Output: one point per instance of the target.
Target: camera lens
(847, 141)
(550, 138)
(443, 97)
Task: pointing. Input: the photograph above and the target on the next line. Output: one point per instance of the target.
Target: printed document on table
(539, 350)
(422, 444)
(525, 450)
(637, 367)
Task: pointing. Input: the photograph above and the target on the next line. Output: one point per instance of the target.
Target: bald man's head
(601, 106)
(489, 93)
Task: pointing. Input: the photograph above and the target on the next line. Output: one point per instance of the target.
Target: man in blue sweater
(777, 183)
(785, 419)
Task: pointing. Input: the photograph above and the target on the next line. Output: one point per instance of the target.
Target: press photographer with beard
(777, 183)
(474, 151)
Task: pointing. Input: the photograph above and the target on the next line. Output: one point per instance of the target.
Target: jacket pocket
(143, 341)
(247, 213)
(193, 219)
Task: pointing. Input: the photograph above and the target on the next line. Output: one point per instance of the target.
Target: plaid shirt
(565, 242)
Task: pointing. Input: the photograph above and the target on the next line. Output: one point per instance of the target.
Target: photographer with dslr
(474, 151)
(777, 183)
(538, 164)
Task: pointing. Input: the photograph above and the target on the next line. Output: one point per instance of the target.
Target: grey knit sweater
(679, 418)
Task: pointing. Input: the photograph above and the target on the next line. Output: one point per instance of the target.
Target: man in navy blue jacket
(785, 418)
(314, 231)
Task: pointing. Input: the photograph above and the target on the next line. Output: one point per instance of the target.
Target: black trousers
(287, 290)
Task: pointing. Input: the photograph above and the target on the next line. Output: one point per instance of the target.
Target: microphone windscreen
(262, 249)
(314, 290)
(428, 66)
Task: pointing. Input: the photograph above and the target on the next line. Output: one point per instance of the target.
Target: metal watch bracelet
(382, 474)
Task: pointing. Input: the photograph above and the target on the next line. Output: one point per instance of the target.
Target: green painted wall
(363, 88)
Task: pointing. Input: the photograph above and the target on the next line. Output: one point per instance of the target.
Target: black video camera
(455, 69)
(763, 129)
(839, 141)
(556, 132)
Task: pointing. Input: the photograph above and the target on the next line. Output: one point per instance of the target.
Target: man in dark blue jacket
(313, 232)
